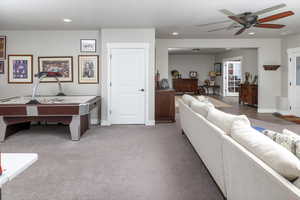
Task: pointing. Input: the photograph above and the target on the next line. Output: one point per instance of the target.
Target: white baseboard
(95, 121)
(284, 112)
(105, 123)
(150, 123)
(266, 110)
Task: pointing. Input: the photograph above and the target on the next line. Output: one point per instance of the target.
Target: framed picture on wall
(88, 45)
(218, 69)
(62, 64)
(88, 69)
(20, 69)
(2, 66)
(2, 47)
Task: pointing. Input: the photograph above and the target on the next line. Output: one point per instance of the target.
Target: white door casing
(294, 81)
(128, 82)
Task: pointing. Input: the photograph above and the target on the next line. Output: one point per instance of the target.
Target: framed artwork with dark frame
(88, 45)
(20, 69)
(2, 63)
(62, 64)
(218, 69)
(2, 47)
(88, 69)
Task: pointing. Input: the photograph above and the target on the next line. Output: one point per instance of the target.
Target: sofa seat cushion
(297, 183)
(224, 120)
(188, 99)
(201, 107)
(276, 156)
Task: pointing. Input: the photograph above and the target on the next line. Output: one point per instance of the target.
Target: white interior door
(232, 78)
(294, 82)
(127, 86)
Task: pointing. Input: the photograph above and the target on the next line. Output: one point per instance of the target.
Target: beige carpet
(217, 103)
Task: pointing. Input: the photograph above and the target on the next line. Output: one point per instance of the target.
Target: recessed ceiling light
(251, 33)
(67, 20)
(175, 33)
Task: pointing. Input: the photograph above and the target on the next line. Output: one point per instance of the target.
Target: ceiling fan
(250, 19)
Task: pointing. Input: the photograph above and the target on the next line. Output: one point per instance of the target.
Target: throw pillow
(296, 137)
(270, 134)
(274, 155)
(224, 120)
(201, 107)
(187, 99)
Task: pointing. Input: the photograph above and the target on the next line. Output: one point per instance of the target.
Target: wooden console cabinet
(185, 85)
(248, 94)
(164, 106)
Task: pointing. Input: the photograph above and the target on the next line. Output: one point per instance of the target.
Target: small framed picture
(88, 69)
(62, 64)
(193, 74)
(2, 47)
(2, 66)
(88, 45)
(20, 69)
(218, 69)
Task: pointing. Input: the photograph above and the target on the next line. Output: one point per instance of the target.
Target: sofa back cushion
(201, 107)
(188, 99)
(224, 120)
(273, 154)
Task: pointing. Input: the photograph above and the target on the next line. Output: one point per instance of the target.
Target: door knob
(142, 90)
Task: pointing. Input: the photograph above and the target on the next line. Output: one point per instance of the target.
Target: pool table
(16, 114)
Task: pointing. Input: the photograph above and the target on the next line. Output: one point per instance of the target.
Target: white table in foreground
(14, 164)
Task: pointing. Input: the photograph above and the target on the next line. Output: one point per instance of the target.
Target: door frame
(146, 47)
(290, 55)
(223, 74)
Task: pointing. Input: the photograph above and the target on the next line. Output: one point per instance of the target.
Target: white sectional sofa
(239, 174)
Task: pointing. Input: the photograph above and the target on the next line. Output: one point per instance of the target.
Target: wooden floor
(250, 111)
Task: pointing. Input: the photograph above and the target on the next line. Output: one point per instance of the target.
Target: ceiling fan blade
(269, 9)
(237, 19)
(276, 16)
(213, 23)
(227, 12)
(240, 31)
(233, 25)
(217, 29)
(276, 26)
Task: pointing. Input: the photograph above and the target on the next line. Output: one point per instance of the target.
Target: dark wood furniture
(248, 94)
(185, 85)
(16, 114)
(164, 106)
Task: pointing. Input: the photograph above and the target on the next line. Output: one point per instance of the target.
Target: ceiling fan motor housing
(250, 19)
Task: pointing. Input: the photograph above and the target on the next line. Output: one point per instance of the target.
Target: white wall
(249, 61)
(202, 63)
(128, 36)
(269, 52)
(288, 42)
(47, 43)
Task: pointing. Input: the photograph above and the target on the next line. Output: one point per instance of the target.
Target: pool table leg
(75, 127)
(3, 127)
